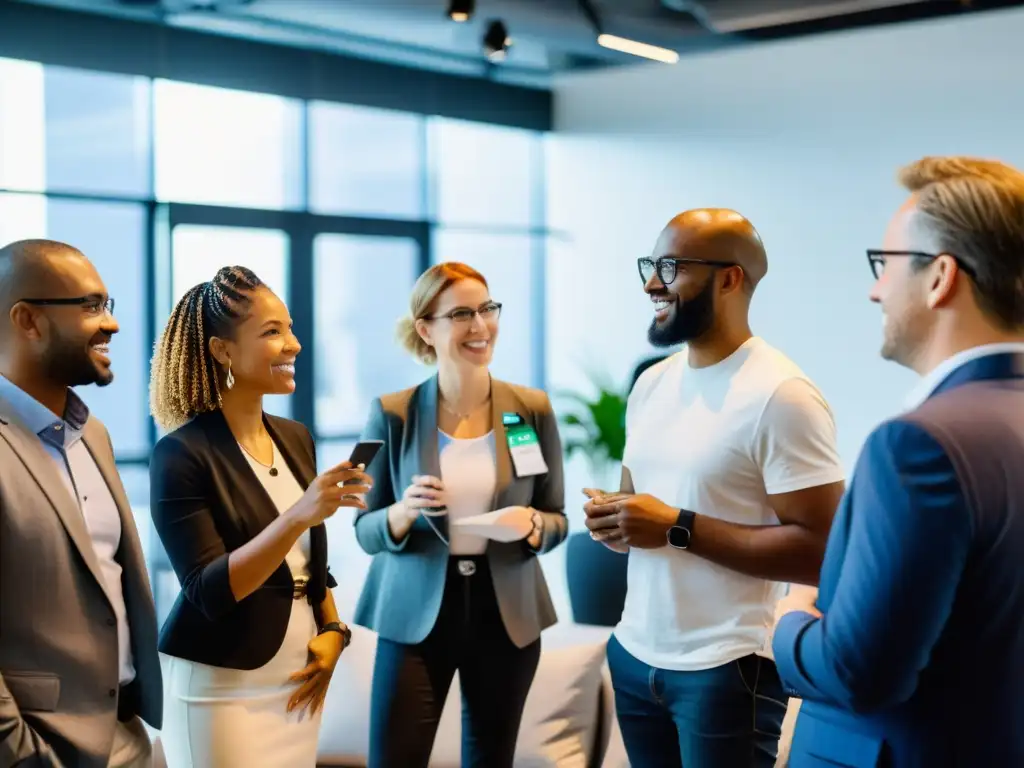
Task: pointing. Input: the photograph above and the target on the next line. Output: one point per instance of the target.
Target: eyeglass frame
(675, 261)
(878, 256)
(473, 312)
(106, 305)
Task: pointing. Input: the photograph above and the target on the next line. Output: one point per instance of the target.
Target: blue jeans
(725, 717)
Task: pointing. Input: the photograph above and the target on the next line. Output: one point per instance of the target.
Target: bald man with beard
(730, 480)
(79, 668)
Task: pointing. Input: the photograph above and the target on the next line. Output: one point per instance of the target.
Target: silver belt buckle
(467, 567)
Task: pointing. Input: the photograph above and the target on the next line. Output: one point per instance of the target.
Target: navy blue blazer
(919, 659)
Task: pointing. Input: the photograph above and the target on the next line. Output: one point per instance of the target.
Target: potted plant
(596, 427)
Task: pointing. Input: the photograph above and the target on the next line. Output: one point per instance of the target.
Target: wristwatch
(679, 534)
(345, 632)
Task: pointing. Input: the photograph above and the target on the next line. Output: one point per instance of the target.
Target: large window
(357, 308)
(97, 132)
(223, 147)
(338, 208)
(366, 162)
(70, 130)
(22, 126)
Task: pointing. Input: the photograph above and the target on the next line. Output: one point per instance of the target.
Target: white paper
(508, 524)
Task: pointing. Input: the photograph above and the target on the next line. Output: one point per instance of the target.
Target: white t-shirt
(470, 474)
(717, 441)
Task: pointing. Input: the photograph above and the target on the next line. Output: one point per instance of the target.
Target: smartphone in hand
(363, 453)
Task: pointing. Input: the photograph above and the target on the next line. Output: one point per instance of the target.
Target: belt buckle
(300, 587)
(467, 567)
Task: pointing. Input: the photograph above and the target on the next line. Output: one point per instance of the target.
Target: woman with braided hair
(253, 638)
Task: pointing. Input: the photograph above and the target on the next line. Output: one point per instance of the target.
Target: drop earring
(229, 380)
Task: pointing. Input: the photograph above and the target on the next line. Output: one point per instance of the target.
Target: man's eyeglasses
(489, 311)
(95, 305)
(667, 267)
(877, 258)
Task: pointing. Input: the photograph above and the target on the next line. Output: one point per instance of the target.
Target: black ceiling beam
(875, 17)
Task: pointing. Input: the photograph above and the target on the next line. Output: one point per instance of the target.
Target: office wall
(804, 137)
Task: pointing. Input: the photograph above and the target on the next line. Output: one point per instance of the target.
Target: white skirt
(232, 718)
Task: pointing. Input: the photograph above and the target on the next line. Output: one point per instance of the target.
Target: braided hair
(184, 377)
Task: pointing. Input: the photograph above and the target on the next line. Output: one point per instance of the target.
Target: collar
(36, 416)
(934, 378)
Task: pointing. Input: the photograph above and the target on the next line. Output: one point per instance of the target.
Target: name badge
(524, 447)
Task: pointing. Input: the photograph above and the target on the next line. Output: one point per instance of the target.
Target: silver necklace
(272, 469)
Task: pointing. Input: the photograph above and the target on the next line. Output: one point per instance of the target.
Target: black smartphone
(364, 452)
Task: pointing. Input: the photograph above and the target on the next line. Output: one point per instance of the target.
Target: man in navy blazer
(913, 653)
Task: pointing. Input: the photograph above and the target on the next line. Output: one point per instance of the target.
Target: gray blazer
(58, 641)
(402, 594)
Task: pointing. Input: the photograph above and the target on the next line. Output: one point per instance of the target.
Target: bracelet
(334, 626)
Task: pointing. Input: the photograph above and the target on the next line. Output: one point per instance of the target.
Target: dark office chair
(597, 581)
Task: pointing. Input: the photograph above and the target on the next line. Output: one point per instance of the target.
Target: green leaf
(603, 424)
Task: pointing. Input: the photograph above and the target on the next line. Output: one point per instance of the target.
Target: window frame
(302, 229)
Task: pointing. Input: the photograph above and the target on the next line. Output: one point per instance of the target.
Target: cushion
(563, 709)
(560, 720)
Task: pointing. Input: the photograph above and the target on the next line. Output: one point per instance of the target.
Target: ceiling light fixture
(496, 41)
(624, 44)
(636, 48)
(460, 10)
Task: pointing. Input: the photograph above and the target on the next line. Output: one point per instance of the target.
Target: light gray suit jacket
(402, 594)
(58, 636)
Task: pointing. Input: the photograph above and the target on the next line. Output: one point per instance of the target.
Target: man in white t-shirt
(730, 480)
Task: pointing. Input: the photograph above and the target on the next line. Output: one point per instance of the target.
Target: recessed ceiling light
(460, 10)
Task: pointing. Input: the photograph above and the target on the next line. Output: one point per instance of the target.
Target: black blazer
(206, 502)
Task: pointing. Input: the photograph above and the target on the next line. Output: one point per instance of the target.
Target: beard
(69, 363)
(689, 320)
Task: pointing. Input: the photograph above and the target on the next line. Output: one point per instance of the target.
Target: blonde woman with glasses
(448, 591)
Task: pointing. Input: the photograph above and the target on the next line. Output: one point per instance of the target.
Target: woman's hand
(324, 651)
(426, 492)
(326, 494)
(536, 536)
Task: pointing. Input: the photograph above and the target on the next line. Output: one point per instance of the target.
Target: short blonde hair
(184, 377)
(974, 209)
(430, 285)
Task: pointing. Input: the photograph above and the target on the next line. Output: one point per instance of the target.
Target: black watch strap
(678, 535)
(334, 626)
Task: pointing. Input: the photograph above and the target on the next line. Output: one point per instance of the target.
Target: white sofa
(568, 721)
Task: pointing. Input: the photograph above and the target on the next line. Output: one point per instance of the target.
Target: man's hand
(801, 599)
(610, 537)
(325, 650)
(633, 520)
